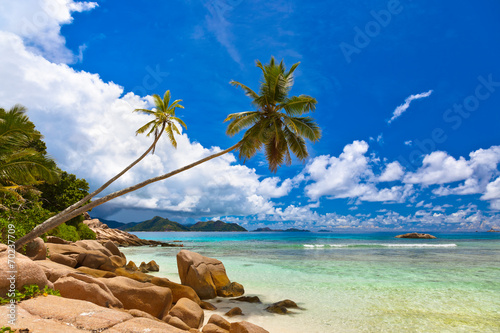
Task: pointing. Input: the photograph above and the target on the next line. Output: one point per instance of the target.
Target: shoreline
(96, 271)
(350, 288)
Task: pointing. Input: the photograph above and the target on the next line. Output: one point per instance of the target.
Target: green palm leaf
(298, 105)
(304, 126)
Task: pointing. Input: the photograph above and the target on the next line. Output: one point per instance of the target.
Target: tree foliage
(277, 124)
(32, 188)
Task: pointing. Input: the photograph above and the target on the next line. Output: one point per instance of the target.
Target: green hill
(117, 225)
(216, 226)
(158, 223)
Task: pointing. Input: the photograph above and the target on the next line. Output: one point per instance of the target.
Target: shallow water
(353, 282)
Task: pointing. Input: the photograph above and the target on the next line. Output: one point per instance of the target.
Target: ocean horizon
(351, 282)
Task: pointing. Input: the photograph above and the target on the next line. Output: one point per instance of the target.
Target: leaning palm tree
(164, 121)
(274, 124)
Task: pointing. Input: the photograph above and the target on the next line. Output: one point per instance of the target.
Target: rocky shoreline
(102, 292)
(120, 237)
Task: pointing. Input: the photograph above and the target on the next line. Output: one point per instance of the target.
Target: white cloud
(393, 194)
(38, 23)
(477, 172)
(339, 177)
(217, 23)
(393, 171)
(439, 168)
(351, 176)
(493, 194)
(269, 187)
(403, 107)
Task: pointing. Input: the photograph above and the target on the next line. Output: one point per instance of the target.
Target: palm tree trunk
(59, 219)
(109, 182)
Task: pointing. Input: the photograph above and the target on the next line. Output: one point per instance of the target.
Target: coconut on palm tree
(276, 125)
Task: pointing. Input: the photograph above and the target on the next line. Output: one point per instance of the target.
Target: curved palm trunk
(109, 182)
(59, 219)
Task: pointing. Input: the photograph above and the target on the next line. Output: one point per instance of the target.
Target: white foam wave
(319, 246)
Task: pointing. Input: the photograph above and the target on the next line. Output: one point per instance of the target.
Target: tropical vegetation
(32, 188)
(30, 291)
(276, 125)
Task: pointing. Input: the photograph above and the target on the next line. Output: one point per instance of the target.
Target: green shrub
(30, 291)
(23, 217)
(85, 232)
(64, 231)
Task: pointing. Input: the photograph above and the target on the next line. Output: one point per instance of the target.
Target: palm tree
(278, 131)
(21, 165)
(164, 121)
(164, 117)
(276, 123)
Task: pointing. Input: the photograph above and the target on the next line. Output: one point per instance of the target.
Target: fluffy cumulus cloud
(439, 168)
(393, 171)
(39, 22)
(351, 175)
(78, 113)
(339, 177)
(492, 193)
(471, 175)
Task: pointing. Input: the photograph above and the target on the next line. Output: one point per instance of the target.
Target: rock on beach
(207, 276)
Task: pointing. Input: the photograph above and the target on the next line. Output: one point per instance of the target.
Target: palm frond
(298, 105)
(158, 102)
(179, 121)
(166, 99)
(249, 92)
(304, 126)
(275, 154)
(292, 69)
(145, 127)
(26, 166)
(297, 144)
(170, 133)
(144, 111)
(240, 121)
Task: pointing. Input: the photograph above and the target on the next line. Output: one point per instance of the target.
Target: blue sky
(408, 101)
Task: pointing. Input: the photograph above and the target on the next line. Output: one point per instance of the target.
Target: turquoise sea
(352, 282)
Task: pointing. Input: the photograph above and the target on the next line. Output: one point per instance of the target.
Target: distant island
(158, 223)
(266, 229)
(416, 235)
